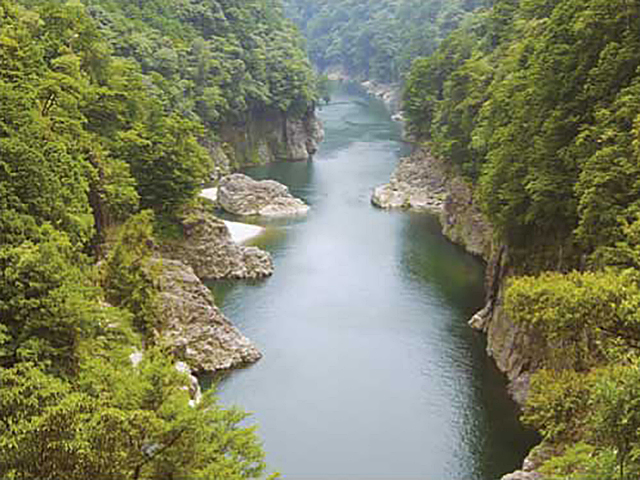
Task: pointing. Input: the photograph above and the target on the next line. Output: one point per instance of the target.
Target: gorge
(370, 369)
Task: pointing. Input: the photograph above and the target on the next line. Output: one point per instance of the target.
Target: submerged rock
(241, 195)
(194, 328)
(208, 248)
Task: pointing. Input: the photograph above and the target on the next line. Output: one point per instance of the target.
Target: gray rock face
(532, 463)
(208, 248)
(303, 137)
(194, 328)
(241, 195)
(271, 136)
(417, 183)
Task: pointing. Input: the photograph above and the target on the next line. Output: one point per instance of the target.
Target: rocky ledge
(194, 328)
(425, 183)
(207, 247)
(418, 183)
(241, 195)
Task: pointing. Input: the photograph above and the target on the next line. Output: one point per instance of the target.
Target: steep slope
(110, 113)
(535, 103)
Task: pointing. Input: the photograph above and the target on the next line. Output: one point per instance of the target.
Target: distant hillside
(375, 39)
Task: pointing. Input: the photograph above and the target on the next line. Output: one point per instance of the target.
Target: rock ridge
(195, 329)
(207, 247)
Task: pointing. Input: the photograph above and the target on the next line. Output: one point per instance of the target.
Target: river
(370, 370)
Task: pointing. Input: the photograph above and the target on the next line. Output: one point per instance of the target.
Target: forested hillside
(104, 110)
(375, 39)
(537, 102)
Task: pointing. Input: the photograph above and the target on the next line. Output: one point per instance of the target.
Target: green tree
(129, 274)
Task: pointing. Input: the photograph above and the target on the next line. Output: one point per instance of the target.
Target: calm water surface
(370, 370)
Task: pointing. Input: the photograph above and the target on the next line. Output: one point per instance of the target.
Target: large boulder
(241, 195)
(208, 248)
(194, 328)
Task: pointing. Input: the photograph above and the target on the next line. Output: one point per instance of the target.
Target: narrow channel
(370, 370)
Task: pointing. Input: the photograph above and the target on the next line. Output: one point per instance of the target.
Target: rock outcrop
(303, 136)
(425, 183)
(241, 195)
(207, 247)
(418, 183)
(508, 343)
(194, 328)
(269, 137)
(532, 463)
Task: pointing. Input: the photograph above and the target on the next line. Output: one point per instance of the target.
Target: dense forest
(105, 106)
(537, 102)
(375, 39)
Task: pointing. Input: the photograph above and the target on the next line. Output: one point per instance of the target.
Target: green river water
(370, 370)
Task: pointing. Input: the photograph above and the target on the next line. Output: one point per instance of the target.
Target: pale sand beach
(240, 232)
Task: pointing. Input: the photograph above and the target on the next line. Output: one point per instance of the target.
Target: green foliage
(596, 416)
(558, 403)
(119, 422)
(105, 106)
(536, 101)
(47, 305)
(218, 61)
(615, 418)
(579, 316)
(129, 274)
(167, 162)
(581, 461)
(372, 39)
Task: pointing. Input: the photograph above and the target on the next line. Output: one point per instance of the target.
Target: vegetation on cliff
(536, 102)
(105, 107)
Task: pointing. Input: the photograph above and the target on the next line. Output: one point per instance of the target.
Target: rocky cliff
(207, 247)
(194, 328)
(266, 137)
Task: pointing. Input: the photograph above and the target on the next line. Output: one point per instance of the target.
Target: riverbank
(423, 182)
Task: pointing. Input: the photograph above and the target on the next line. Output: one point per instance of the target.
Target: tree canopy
(105, 106)
(375, 40)
(536, 103)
